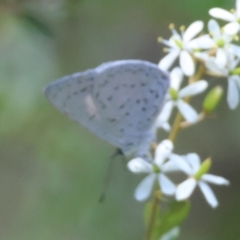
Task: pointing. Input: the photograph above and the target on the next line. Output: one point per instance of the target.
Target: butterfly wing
(118, 101)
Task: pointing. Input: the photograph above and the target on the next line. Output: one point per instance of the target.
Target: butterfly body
(118, 101)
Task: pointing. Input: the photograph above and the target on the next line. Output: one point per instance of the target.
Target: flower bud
(212, 99)
(205, 166)
(235, 71)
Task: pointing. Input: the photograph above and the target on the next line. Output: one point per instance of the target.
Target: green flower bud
(212, 99)
(156, 169)
(235, 71)
(206, 165)
(173, 93)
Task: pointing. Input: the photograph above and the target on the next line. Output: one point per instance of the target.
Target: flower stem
(152, 217)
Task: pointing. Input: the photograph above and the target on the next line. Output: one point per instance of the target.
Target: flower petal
(170, 166)
(187, 111)
(167, 61)
(214, 28)
(231, 28)
(235, 49)
(145, 187)
(221, 58)
(182, 164)
(208, 194)
(202, 42)
(193, 89)
(185, 189)
(139, 165)
(192, 31)
(232, 93)
(222, 14)
(194, 160)
(166, 185)
(166, 126)
(187, 63)
(163, 150)
(238, 8)
(215, 179)
(165, 113)
(176, 78)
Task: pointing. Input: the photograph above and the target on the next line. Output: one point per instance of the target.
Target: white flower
(231, 72)
(197, 177)
(219, 43)
(232, 17)
(176, 97)
(155, 170)
(180, 45)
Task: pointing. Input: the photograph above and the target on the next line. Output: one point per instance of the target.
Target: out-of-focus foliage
(51, 169)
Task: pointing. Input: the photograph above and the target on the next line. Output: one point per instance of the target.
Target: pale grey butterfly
(118, 101)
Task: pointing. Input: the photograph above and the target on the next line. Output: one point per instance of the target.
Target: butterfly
(118, 101)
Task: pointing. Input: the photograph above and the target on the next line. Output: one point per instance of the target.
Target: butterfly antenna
(118, 152)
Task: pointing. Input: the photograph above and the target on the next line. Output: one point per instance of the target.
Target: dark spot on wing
(112, 119)
(109, 98)
(143, 109)
(122, 106)
(83, 89)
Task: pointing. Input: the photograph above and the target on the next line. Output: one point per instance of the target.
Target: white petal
(221, 58)
(176, 78)
(193, 89)
(231, 28)
(222, 14)
(166, 185)
(238, 8)
(232, 94)
(182, 164)
(185, 189)
(166, 126)
(208, 194)
(202, 42)
(236, 78)
(187, 63)
(194, 160)
(170, 166)
(172, 234)
(192, 31)
(139, 165)
(213, 28)
(162, 152)
(145, 187)
(167, 61)
(187, 111)
(215, 179)
(165, 113)
(235, 49)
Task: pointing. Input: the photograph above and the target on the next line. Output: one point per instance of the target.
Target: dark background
(51, 169)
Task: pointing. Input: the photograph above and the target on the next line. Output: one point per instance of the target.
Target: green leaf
(174, 216)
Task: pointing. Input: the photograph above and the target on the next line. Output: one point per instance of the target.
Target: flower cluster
(211, 53)
(215, 50)
(165, 162)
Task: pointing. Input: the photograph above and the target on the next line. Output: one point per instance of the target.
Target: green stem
(152, 217)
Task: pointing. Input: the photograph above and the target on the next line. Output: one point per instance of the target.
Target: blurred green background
(51, 169)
